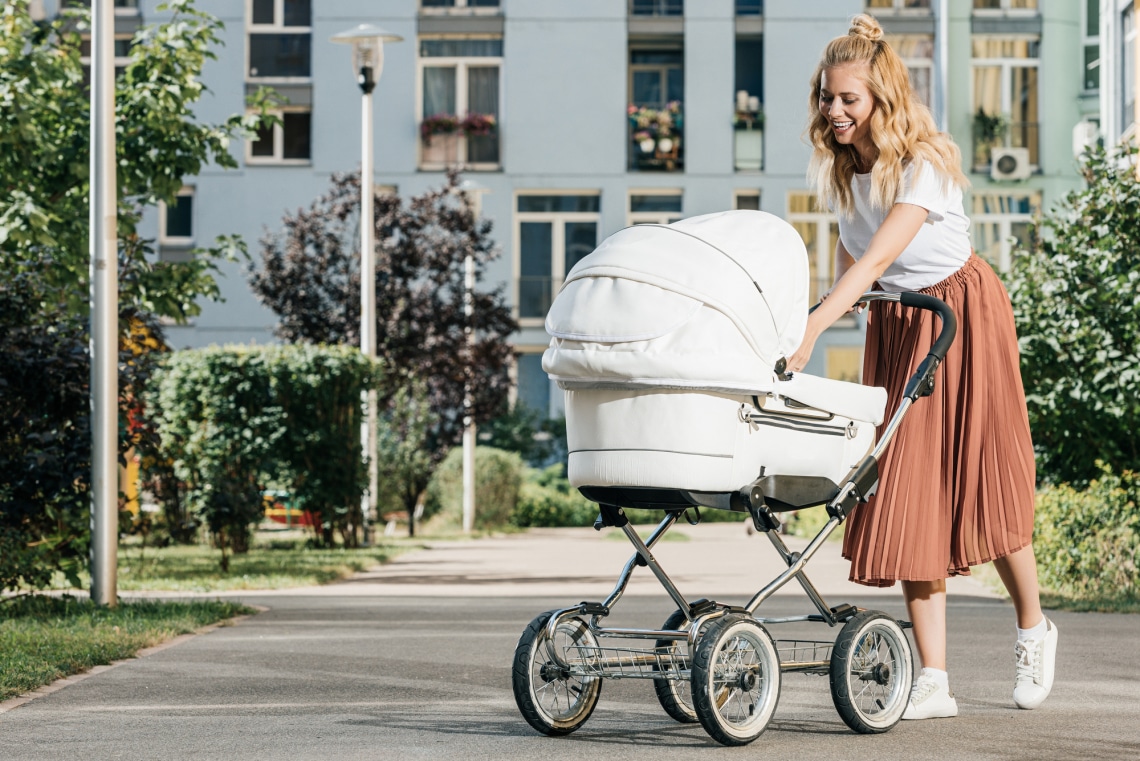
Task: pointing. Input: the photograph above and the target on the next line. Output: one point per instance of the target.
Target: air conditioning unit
(1009, 163)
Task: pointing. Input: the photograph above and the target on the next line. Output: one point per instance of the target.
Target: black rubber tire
(531, 653)
(871, 672)
(713, 694)
(674, 695)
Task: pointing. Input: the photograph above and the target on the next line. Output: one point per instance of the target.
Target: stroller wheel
(736, 680)
(675, 695)
(871, 672)
(553, 700)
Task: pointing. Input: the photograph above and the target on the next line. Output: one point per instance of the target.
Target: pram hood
(708, 302)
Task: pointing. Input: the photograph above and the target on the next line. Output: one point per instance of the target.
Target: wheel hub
(549, 672)
(881, 673)
(747, 681)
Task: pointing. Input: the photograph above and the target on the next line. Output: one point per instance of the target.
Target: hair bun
(866, 27)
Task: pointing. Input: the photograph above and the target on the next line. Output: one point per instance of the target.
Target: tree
(310, 277)
(44, 152)
(1076, 300)
(404, 457)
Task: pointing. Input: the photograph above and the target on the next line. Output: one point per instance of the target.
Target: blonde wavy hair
(902, 128)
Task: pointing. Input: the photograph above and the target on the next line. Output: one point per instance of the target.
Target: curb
(59, 684)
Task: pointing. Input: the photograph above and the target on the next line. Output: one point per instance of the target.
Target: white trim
(179, 241)
(1007, 65)
(1006, 10)
(653, 217)
(1003, 219)
(899, 8)
(739, 193)
(460, 9)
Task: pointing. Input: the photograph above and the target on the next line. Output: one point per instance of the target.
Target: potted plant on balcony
(656, 132)
(444, 149)
(989, 132)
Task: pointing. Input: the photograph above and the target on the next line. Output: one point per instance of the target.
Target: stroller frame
(724, 651)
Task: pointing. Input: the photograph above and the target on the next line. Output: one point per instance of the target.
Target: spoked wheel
(551, 699)
(675, 695)
(736, 680)
(871, 672)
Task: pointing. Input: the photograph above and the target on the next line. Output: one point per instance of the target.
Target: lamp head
(367, 51)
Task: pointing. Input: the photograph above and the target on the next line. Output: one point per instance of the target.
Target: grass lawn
(272, 563)
(45, 638)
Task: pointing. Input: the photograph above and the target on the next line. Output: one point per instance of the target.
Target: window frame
(1090, 38)
(899, 7)
(1006, 10)
(179, 241)
(913, 63)
(1128, 127)
(461, 64)
(1007, 65)
(653, 217)
(278, 158)
(277, 27)
(1004, 220)
(557, 242)
(825, 254)
(461, 8)
(747, 193)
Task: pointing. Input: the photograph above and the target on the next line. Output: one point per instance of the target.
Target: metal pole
(368, 299)
(104, 345)
(941, 68)
(468, 402)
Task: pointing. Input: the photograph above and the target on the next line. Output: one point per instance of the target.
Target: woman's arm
(897, 231)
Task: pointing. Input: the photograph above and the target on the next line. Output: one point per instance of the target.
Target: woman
(957, 484)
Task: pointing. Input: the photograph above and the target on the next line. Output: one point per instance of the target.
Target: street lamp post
(472, 191)
(367, 62)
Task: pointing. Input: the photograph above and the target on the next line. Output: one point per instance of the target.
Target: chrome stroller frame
(724, 652)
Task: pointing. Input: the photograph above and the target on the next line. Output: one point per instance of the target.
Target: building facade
(575, 119)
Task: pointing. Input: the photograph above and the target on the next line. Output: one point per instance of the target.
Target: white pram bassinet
(665, 339)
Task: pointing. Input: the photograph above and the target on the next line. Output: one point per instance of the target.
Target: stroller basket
(662, 662)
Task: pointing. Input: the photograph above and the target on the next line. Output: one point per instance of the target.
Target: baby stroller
(668, 341)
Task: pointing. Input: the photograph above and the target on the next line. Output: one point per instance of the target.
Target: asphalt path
(413, 661)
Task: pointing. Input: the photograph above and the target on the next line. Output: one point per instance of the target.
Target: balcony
(656, 134)
(748, 137)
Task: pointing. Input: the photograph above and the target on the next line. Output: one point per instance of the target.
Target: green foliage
(537, 439)
(44, 155)
(236, 418)
(548, 500)
(46, 638)
(1076, 300)
(498, 481)
(404, 461)
(1087, 541)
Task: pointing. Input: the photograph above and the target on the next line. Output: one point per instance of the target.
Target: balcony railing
(656, 137)
(1013, 135)
(748, 139)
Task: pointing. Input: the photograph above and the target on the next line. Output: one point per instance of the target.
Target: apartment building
(608, 113)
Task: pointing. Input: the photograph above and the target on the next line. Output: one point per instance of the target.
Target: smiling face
(846, 103)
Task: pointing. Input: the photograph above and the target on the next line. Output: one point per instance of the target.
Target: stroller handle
(929, 303)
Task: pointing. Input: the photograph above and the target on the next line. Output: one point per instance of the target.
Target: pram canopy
(710, 302)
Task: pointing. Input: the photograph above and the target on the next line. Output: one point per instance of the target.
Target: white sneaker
(930, 700)
(1035, 659)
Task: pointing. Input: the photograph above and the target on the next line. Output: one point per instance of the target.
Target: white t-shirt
(941, 246)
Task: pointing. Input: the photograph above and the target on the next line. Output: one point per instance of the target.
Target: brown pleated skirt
(956, 484)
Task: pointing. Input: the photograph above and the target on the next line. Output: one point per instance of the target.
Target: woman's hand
(799, 359)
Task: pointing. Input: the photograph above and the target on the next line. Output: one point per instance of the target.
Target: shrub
(547, 500)
(233, 419)
(1087, 541)
(498, 480)
(1076, 303)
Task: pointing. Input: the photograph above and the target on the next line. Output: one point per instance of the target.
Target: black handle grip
(949, 321)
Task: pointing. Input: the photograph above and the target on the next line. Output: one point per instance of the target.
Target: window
(749, 7)
(553, 232)
(656, 113)
(1090, 75)
(820, 232)
(1005, 96)
(898, 5)
(917, 52)
(280, 40)
(746, 199)
(459, 101)
(126, 7)
(533, 389)
(654, 207)
(1128, 68)
(446, 6)
(1015, 6)
(998, 220)
(289, 141)
(656, 7)
(176, 220)
(748, 120)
